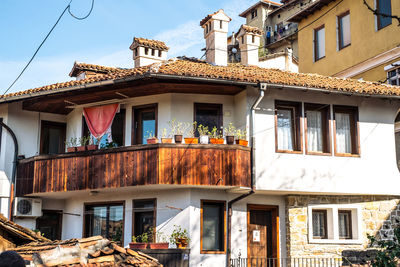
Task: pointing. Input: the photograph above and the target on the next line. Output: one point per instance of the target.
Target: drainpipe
(14, 169)
(262, 89)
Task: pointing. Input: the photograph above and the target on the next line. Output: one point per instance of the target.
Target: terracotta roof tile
(233, 72)
(209, 16)
(78, 66)
(250, 29)
(149, 43)
(22, 232)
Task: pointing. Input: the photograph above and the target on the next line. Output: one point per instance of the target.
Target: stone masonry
(379, 213)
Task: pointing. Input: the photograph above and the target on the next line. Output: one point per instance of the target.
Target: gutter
(254, 107)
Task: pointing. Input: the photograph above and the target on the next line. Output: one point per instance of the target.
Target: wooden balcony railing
(166, 164)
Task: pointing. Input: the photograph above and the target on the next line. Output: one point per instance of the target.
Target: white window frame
(332, 226)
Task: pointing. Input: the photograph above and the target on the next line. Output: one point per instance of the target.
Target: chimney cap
(248, 29)
(220, 14)
(154, 44)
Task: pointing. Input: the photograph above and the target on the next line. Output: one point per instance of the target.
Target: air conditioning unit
(27, 207)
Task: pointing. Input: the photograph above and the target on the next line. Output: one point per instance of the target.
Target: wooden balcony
(158, 164)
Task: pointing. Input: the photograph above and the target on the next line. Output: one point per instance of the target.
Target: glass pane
(208, 116)
(384, 7)
(116, 223)
(143, 204)
(320, 47)
(143, 222)
(212, 232)
(345, 30)
(285, 129)
(99, 221)
(314, 131)
(343, 133)
(55, 135)
(344, 225)
(148, 125)
(318, 221)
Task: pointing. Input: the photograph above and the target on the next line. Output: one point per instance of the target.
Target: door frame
(133, 128)
(60, 220)
(154, 214)
(275, 226)
(56, 124)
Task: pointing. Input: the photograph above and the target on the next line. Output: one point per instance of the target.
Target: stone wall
(378, 215)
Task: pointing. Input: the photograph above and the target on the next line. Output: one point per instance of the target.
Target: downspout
(14, 169)
(254, 107)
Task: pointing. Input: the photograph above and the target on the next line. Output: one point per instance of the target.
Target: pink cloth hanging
(100, 118)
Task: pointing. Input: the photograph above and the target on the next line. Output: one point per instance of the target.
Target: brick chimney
(216, 34)
(146, 51)
(249, 42)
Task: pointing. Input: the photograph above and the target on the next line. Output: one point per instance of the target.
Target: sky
(103, 38)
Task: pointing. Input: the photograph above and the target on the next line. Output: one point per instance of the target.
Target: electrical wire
(67, 8)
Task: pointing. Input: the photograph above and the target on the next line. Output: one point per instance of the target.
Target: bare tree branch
(376, 12)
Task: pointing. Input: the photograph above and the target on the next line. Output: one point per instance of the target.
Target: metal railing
(286, 262)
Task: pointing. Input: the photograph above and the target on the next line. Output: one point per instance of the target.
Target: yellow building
(343, 38)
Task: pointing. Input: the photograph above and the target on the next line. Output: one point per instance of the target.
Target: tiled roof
(155, 44)
(250, 29)
(78, 66)
(209, 16)
(262, 2)
(193, 68)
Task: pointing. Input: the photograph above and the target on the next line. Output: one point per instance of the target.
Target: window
(287, 126)
(144, 216)
(317, 131)
(145, 122)
(344, 217)
(384, 7)
(52, 137)
(212, 239)
(253, 39)
(394, 77)
(344, 30)
(209, 115)
(220, 24)
(253, 13)
(346, 130)
(319, 224)
(242, 39)
(146, 51)
(136, 52)
(159, 53)
(153, 52)
(319, 43)
(106, 219)
(116, 133)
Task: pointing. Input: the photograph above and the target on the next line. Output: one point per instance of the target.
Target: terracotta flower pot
(166, 140)
(182, 243)
(71, 149)
(159, 245)
(153, 140)
(80, 148)
(230, 139)
(91, 147)
(191, 140)
(242, 142)
(217, 141)
(134, 245)
(178, 138)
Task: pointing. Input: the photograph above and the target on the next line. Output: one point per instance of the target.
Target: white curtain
(345, 30)
(343, 133)
(314, 131)
(285, 131)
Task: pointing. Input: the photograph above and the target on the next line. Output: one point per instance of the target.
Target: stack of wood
(92, 251)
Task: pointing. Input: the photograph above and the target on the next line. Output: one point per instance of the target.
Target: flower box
(217, 141)
(190, 140)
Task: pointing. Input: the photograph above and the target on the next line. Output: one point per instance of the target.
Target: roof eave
(244, 13)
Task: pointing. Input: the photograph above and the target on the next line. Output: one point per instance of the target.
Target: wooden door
(262, 236)
(49, 224)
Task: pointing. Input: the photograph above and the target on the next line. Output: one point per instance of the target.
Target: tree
(388, 254)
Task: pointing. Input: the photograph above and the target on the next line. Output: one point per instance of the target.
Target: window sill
(318, 59)
(347, 155)
(212, 252)
(289, 151)
(380, 28)
(318, 153)
(341, 48)
(335, 241)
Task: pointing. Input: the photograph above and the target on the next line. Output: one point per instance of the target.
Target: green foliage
(230, 130)
(388, 254)
(215, 133)
(203, 130)
(108, 145)
(150, 134)
(177, 234)
(73, 142)
(84, 140)
(241, 134)
(164, 133)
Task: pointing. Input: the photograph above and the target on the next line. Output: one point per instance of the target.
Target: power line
(68, 7)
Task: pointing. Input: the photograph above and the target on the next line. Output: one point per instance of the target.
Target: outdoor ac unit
(27, 207)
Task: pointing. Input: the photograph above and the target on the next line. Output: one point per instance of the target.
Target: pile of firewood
(92, 251)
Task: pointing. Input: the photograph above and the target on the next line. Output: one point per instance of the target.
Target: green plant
(177, 128)
(177, 234)
(164, 133)
(230, 130)
(73, 142)
(84, 140)
(190, 129)
(161, 237)
(143, 238)
(215, 133)
(108, 145)
(150, 134)
(203, 130)
(241, 134)
(388, 253)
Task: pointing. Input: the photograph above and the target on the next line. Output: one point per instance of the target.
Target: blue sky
(103, 38)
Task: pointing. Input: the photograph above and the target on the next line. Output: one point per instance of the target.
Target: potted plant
(72, 144)
(139, 242)
(230, 134)
(203, 133)
(241, 138)
(177, 130)
(83, 141)
(161, 240)
(165, 139)
(216, 136)
(179, 237)
(91, 146)
(190, 128)
(151, 139)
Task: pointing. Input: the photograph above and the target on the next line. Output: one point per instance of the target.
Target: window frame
(105, 203)
(378, 17)
(60, 125)
(350, 223)
(326, 131)
(223, 204)
(154, 214)
(340, 32)
(297, 125)
(133, 126)
(325, 214)
(354, 130)
(316, 30)
(216, 106)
